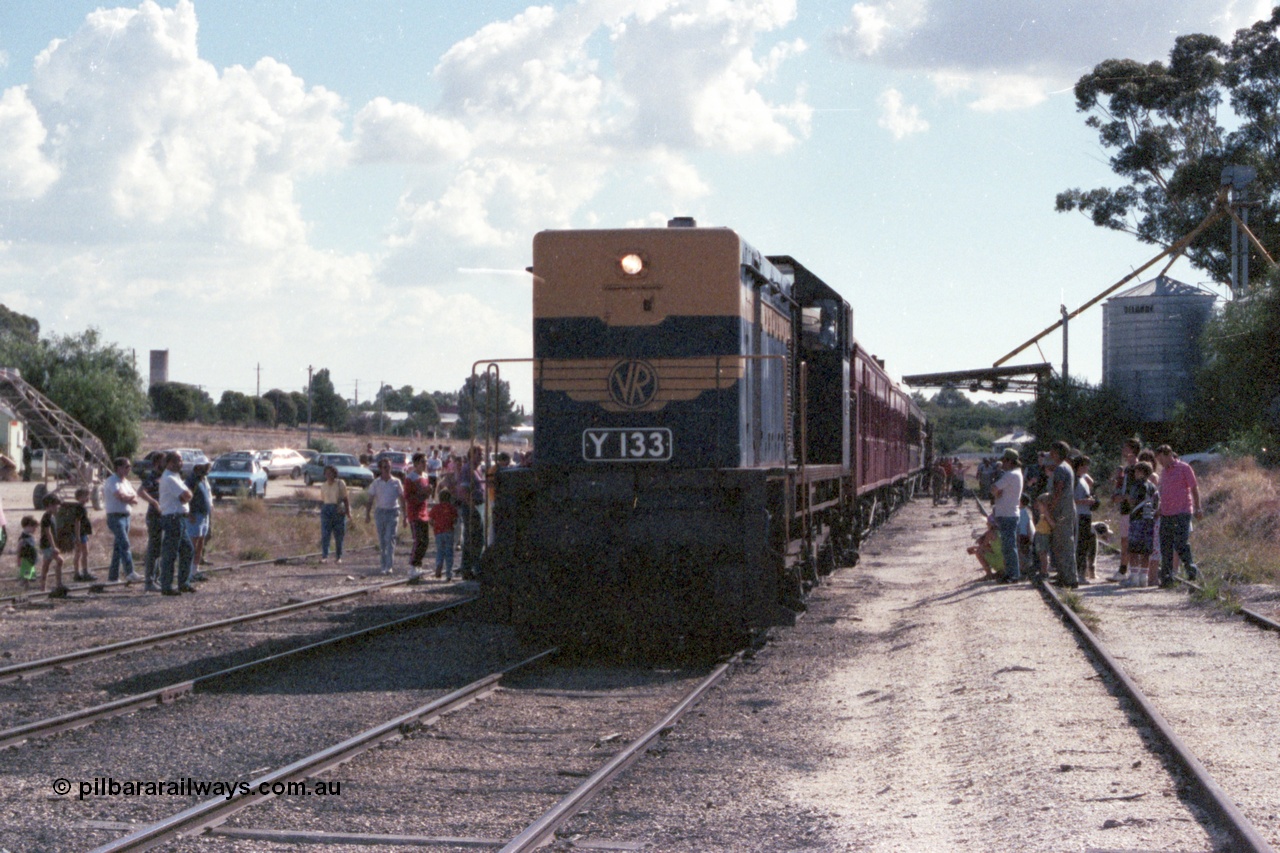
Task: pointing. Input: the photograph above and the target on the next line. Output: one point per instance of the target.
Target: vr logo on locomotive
(633, 384)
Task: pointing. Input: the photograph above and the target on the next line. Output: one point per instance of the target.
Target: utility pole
(308, 405)
(259, 370)
(381, 397)
(355, 400)
(1066, 375)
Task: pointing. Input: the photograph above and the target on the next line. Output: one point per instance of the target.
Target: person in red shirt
(417, 492)
(444, 517)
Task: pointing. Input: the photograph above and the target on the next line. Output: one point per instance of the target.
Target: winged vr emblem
(633, 383)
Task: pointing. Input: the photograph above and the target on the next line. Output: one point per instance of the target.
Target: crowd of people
(442, 495)
(1042, 526)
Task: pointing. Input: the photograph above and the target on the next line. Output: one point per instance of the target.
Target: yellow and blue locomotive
(708, 440)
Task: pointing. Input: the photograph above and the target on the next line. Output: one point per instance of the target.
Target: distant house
(1016, 439)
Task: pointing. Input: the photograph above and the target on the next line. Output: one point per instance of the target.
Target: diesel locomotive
(709, 440)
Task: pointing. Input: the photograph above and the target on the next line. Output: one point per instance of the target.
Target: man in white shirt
(1007, 491)
(118, 498)
(387, 500)
(174, 500)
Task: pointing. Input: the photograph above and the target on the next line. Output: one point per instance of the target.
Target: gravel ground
(42, 628)
(1212, 675)
(235, 733)
(915, 708)
(487, 771)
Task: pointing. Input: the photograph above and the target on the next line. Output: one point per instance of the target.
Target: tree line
(98, 384)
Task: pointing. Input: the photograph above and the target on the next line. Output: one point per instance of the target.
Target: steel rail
(1244, 836)
(543, 829)
(34, 667)
(172, 692)
(229, 567)
(216, 810)
(1250, 615)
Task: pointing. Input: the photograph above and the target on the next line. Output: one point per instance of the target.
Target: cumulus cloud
(151, 139)
(25, 172)
(397, 132)
(548, 124)
(897, 117)
(1010, 54)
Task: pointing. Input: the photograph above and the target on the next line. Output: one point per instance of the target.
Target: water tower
(1151, 344)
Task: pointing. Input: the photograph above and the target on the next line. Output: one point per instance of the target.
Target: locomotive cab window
(820, 325)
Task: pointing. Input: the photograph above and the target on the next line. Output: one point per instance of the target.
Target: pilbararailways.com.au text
(108, 786)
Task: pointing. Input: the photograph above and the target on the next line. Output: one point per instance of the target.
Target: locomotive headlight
(631, 264)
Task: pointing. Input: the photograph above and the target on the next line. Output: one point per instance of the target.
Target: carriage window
(819, 327)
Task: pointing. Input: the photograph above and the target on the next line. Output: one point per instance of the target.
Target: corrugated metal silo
(1150, 344)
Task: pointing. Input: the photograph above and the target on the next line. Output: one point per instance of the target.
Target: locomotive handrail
(492, 373)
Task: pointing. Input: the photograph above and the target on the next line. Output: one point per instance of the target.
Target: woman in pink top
(1179, 502)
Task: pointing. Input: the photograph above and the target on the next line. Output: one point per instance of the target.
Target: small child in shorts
(1044, 527)
(80, 560)
(1026, 530)
(49, 553)
(1142, 527)
(28, 551)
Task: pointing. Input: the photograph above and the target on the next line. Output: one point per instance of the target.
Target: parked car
(309, 454)
(191, 457)
(283, 462)
(1204, 457)
(234, 474)
(401, 462)
(350, 471)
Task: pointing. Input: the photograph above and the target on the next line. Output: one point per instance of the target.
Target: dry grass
(1238, 541)
(255, 530)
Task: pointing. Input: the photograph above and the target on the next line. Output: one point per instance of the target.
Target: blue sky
(356, 186)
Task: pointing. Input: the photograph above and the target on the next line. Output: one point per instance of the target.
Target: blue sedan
(237, 474)
(349, 470)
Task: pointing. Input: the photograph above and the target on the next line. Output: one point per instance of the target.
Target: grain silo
(1151, 344)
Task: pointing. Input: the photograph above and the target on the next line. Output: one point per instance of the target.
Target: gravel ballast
(913, 708)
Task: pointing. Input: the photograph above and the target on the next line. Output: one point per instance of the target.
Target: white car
(282, 462)
(1205, 457)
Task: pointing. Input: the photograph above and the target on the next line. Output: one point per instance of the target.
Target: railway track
(28, 669)
(1205, 790)
(209, 816)
(172, 692)
(103, 585)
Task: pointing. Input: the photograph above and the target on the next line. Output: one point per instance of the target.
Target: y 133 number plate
(627, 445)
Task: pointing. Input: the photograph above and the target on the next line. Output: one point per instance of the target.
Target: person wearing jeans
(175, 501)
(1007, 491)
(118, 498)
(1179, 501)
(335, 508)
(387, 501)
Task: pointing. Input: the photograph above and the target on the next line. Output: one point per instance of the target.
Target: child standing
(1146, 501)
(1026, 530)
(443, 518)
(48, 547)
(1044, 527)
(83, 530)
(28, 552)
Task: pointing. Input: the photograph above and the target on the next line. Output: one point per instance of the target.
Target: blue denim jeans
(1009, 546)
(1175, 537)
(176, 548)
(444, 553)
(121, 556)
(332, 524)
(386, 520)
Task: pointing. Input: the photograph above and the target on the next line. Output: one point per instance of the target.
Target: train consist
(710, 438)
